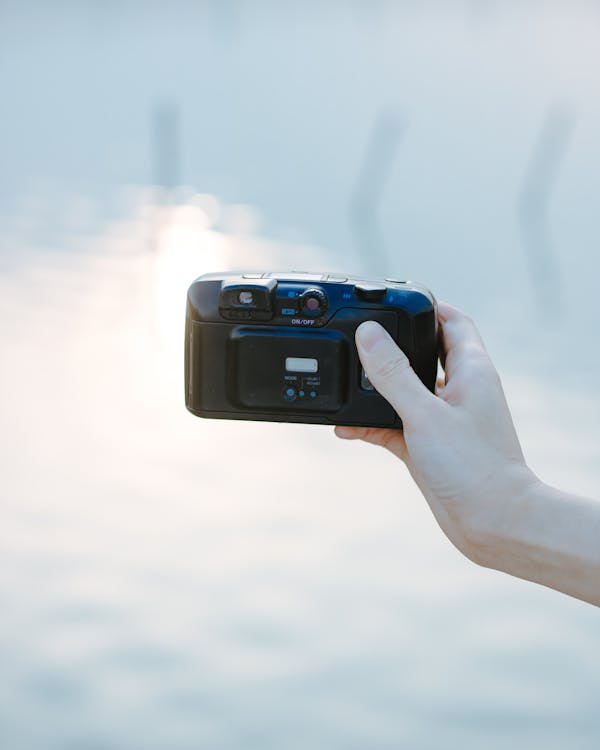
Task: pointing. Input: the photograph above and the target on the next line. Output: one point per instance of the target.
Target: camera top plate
(298, 298)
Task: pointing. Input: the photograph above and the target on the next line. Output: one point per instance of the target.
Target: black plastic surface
(235, 366)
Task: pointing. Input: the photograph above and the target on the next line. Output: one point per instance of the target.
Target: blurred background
(170, 582)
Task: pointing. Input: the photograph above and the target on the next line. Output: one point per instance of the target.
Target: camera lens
(245, 298)
(313, 302)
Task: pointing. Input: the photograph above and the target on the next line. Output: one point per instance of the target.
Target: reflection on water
(171, 582)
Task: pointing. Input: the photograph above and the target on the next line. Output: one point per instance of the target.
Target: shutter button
(370, 292)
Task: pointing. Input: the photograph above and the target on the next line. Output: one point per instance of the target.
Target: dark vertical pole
(369, 189)
(532, 209)
(166, 146)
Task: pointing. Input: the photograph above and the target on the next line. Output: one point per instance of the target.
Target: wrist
(503, 518)
(546, 536)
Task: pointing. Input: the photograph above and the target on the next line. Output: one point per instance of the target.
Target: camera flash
(245, 298)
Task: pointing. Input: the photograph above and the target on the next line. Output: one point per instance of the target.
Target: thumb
(390, 372)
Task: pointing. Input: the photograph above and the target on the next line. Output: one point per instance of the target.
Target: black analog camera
(280, 346)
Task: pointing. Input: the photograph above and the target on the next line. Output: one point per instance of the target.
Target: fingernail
(369, 335)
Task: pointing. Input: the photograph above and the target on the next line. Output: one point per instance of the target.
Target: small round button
(337, 279)
(313, 302)
(290, 394)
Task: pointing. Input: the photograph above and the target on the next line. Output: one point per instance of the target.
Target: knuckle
(482, 372)
(392, 366)
(474, 351)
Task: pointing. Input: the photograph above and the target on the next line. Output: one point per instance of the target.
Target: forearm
(549, 537)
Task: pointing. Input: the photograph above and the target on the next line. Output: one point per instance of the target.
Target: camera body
(279, 346)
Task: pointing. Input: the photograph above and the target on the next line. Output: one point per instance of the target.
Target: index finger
(460, 338)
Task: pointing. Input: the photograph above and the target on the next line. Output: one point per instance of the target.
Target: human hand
(460, 444)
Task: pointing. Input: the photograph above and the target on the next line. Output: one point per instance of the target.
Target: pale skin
(462, 450)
